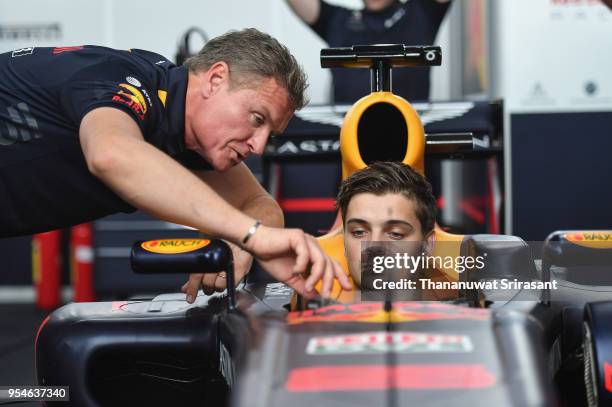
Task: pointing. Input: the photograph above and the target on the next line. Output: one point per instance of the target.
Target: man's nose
(257, 142)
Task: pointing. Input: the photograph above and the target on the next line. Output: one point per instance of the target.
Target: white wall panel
(553, 55)
(157, 25)
(25, 23)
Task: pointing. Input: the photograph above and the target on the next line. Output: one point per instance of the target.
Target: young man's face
(378, 218)
(226, 125)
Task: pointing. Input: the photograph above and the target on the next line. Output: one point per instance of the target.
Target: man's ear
(429, 242)
(214, 78)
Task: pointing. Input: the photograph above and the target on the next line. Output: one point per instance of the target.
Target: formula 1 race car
(528, 351)
(543, 341)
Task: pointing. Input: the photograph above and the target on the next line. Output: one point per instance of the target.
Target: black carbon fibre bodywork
(518, 352)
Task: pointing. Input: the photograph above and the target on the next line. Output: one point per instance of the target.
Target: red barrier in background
(46, 273)
(81, 260)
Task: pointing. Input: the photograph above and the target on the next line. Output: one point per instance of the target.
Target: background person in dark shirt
(413, 22)
(88, 131)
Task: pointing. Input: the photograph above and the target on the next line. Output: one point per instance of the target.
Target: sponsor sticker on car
(381, 342)
(374, 312)
(174, 246)
(595, 239)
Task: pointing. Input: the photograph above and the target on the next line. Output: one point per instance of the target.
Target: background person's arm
(306, 10)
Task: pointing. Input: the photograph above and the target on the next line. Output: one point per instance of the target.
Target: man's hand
(241, 189)
(288, 253)
(218, 281)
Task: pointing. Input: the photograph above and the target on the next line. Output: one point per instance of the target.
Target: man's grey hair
(252, 56)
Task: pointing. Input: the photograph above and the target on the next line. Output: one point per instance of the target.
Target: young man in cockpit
(388, 202)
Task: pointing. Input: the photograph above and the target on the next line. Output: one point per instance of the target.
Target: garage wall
(157, 26)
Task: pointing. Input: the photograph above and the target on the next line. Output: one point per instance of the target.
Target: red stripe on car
(608, 376)
(380, 377)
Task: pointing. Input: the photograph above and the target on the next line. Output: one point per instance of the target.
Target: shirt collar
(175, 108)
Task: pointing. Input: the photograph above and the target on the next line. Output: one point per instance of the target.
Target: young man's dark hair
(381, 178)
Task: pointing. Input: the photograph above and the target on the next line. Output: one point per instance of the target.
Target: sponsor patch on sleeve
(136, 99)
(61, 50)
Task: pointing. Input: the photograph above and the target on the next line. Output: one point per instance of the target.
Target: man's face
(388, 217)
(377, 5)
(226, 125)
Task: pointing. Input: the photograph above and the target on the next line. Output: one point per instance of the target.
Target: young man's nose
(377, 236)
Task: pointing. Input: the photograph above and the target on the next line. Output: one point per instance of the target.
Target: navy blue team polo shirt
(414, 22)
(44, 95)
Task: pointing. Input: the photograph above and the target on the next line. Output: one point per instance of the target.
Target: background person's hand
(218, 281)
(288, 253)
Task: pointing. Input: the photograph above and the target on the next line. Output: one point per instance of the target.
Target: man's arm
(148, 179)
(306, 10)
(239, 187)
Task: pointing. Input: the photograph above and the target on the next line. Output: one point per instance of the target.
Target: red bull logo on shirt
(133, 98)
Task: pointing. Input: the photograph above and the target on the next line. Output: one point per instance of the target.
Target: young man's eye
(396, 235)
(358, 233)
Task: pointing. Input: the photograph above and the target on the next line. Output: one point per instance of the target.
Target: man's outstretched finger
(319, 262)
(221, 281)
(328, 279)
(297, 283)
(192, 286)
(302, 253)
(325, 274)
(341, 276)
(208, 283)
(316, 272)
